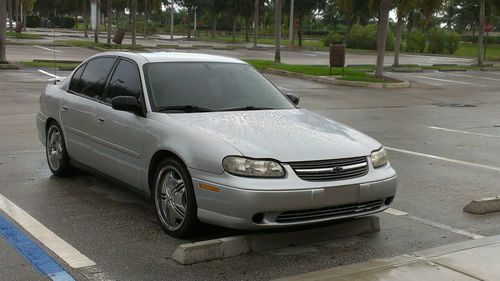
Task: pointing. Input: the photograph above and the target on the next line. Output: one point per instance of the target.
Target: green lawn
(47, 64)
(351, 73)
(470, 50)
(23, 35)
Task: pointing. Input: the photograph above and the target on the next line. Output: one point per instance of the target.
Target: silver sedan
(211, 140)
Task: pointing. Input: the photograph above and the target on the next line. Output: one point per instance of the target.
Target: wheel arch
(156, 159)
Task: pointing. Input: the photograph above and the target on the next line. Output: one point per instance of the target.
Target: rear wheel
(57, 156)
(174, 199)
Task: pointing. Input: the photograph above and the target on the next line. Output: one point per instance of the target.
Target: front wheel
(174, 199)
(57, 156)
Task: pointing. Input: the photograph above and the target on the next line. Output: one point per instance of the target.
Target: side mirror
(126, 103)
(294, 98)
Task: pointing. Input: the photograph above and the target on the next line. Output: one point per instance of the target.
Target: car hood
(284, 135)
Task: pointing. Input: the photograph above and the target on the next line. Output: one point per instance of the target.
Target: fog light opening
(258, 218)
(388, 200)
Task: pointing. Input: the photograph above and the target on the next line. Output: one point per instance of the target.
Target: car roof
(173, 57)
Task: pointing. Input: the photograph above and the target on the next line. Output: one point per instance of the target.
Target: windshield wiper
(251, 107)
(184, 108)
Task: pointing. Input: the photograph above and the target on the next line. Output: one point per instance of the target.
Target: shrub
(333, 37)
(33, 21)
(365, 37)
(443, 42)
(488, 39)
(66, 22)
(452, 42)
(417, 42)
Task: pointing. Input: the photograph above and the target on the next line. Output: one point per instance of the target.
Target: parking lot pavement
(118, 230)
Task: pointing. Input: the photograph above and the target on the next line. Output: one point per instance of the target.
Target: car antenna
(54, 46)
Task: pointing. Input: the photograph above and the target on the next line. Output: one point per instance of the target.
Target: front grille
(331, 170)
(329, 212)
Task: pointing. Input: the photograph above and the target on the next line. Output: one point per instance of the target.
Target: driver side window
(94, 77)
(125, 81)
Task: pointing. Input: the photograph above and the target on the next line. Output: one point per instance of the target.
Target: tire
(174, 199)
(55, 150)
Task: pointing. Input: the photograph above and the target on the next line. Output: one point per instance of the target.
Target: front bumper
(269, 207)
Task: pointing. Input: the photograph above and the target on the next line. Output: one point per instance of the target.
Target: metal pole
(172, 21)
(290, 28)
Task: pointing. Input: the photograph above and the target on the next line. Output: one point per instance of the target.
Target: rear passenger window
(94, 77)
(73, 85)
(125, 81)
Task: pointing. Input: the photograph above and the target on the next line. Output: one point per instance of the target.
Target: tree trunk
(3, 14)
(85, 19)
(301, 29)
(277, 31)
(97, 21)
(234, 28)
(189, 22)
(383, 25)
(409, 30)
(397, 44)
(110, 20)
(172, 21)
(290, 26)
(214, 24)
(255, 23)
(247, 29)
(17, 10)
(480, 50)
(11, 14)
(146, 19)
(133, 18)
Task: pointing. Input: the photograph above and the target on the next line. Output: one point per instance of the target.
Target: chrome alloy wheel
(171, 202)
(54, 148)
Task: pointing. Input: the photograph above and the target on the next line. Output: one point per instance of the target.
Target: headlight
(246, 167)
(379, 158)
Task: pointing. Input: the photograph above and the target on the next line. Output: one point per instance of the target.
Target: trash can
(337, 54)
(118, 37)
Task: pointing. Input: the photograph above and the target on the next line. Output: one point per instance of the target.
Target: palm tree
(133, 17)
(3, 19)
(277, 31)
(256, 23)
(11, 14)
(404, 8)
(383, 26)
(109, 10)
(480, 51)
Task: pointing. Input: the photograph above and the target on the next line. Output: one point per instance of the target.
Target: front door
(118, 134)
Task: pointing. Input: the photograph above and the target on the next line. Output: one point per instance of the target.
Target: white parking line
(47, 49)
(449, 81)
(395, 212)
(463, 132)
(446, 227)
(475, 77)
(488, 167)
(61, 248)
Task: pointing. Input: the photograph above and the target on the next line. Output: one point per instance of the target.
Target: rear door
(78, 107)
(119, 134)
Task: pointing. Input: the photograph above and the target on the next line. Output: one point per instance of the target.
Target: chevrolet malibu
(211, 140)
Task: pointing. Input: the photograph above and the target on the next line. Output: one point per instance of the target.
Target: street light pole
(290, 29)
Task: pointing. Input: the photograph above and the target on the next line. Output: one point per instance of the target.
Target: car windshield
(210, 86)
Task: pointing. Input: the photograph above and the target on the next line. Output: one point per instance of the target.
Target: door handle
(99, 120)
(64, 108)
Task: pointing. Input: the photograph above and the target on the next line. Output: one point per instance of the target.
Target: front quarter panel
(195, 148)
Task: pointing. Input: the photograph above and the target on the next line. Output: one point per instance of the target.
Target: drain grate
(454, 105)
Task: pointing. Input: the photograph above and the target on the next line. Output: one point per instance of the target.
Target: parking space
(118, 230)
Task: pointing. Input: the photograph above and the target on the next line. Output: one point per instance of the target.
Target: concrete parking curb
(483, 206)
(335, 81)
(459, 261)
(238, 245)
(10, 66)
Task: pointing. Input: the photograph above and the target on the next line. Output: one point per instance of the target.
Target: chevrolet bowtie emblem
(337, 169)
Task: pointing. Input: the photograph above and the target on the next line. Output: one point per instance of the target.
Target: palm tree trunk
(383, 25)
(97, 21)
(409, 30)
(234, 28)
(480, 50)
(11, 14)
(256, 23)
(133, 18)
(109, 10)
(397, 44)
(277, 31)
(189, 22)
(301, 29)
(146, 19)
(3, 14)
(247, 28)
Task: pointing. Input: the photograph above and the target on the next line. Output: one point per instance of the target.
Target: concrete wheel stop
(208, 250)
(483, 206)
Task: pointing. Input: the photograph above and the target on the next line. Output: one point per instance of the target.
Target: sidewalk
(470, 260)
